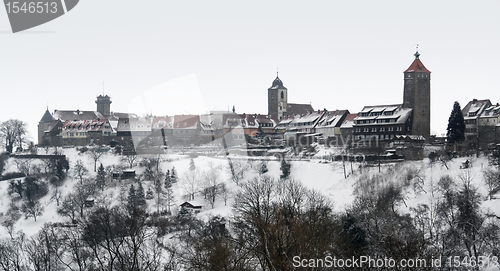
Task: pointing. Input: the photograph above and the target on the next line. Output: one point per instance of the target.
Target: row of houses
(482, 125)
(182, 130)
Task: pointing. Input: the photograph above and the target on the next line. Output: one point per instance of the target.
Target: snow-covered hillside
(324, 176)
(418, 180)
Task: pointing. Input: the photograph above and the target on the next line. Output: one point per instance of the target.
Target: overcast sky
(174, 57)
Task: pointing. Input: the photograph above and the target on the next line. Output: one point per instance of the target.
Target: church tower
(277, 99)
(417, 95)
(103, 105)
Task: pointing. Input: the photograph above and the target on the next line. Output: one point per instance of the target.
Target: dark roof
(77, 115)
(475, 108)
(277, 84)
(191, 204)
(333, 118)
(417, 65)
(47, 117)
(299, 109)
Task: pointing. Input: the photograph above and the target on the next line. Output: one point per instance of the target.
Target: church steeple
(277, 98)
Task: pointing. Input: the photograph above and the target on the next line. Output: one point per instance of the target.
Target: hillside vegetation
(81, 213)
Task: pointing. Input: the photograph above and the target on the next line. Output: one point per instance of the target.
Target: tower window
(282, 95)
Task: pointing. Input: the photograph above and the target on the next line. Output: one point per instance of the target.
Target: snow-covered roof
(333, 118)
(76, 115)
(307, 121)
(162, 122)
(491, 112)
(348, 121)
(142, 124)
(192, 203)
(475, 108)
(382, 112)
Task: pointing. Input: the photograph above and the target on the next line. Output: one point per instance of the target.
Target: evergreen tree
(168, 183)
(173, 176)
(141, 197)
(285, 169)
(263, 168)
(192, 166)
(456, 125)
(132, 198)
(101, 177)
(167, 176)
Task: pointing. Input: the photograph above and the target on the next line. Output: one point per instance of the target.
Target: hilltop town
(105, 190)
(403, 128)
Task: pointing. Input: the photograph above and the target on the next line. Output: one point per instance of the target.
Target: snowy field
(315, 173)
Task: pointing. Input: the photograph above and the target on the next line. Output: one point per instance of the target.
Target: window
(382, 129)
(282, 95)
(390, 129)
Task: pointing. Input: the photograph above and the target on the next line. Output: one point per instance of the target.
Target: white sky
(334, 54)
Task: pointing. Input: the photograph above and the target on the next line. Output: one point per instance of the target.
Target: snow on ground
(315, 173)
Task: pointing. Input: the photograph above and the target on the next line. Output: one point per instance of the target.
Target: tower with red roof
(417, 95)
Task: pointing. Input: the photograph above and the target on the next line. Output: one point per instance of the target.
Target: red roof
(162, 122)
(350, 117)
(417, 66)
(186, 121)
(84, 125)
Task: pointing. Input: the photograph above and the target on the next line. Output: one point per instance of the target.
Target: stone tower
(103, 105)
(277, 99)
(417, 95)
(43, 125)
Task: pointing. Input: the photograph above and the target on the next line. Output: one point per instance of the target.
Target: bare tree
(32, 209)
(492, 180)
(13, 132)
(238, 168)
(57, 196)
(80, 170)
(191, 183)
(23, 165)
(224, 192)
(211, 188)
(96, 152)
(129, 158)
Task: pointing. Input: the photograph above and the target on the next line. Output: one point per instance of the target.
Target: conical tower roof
(47, 117)
(417, 65)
